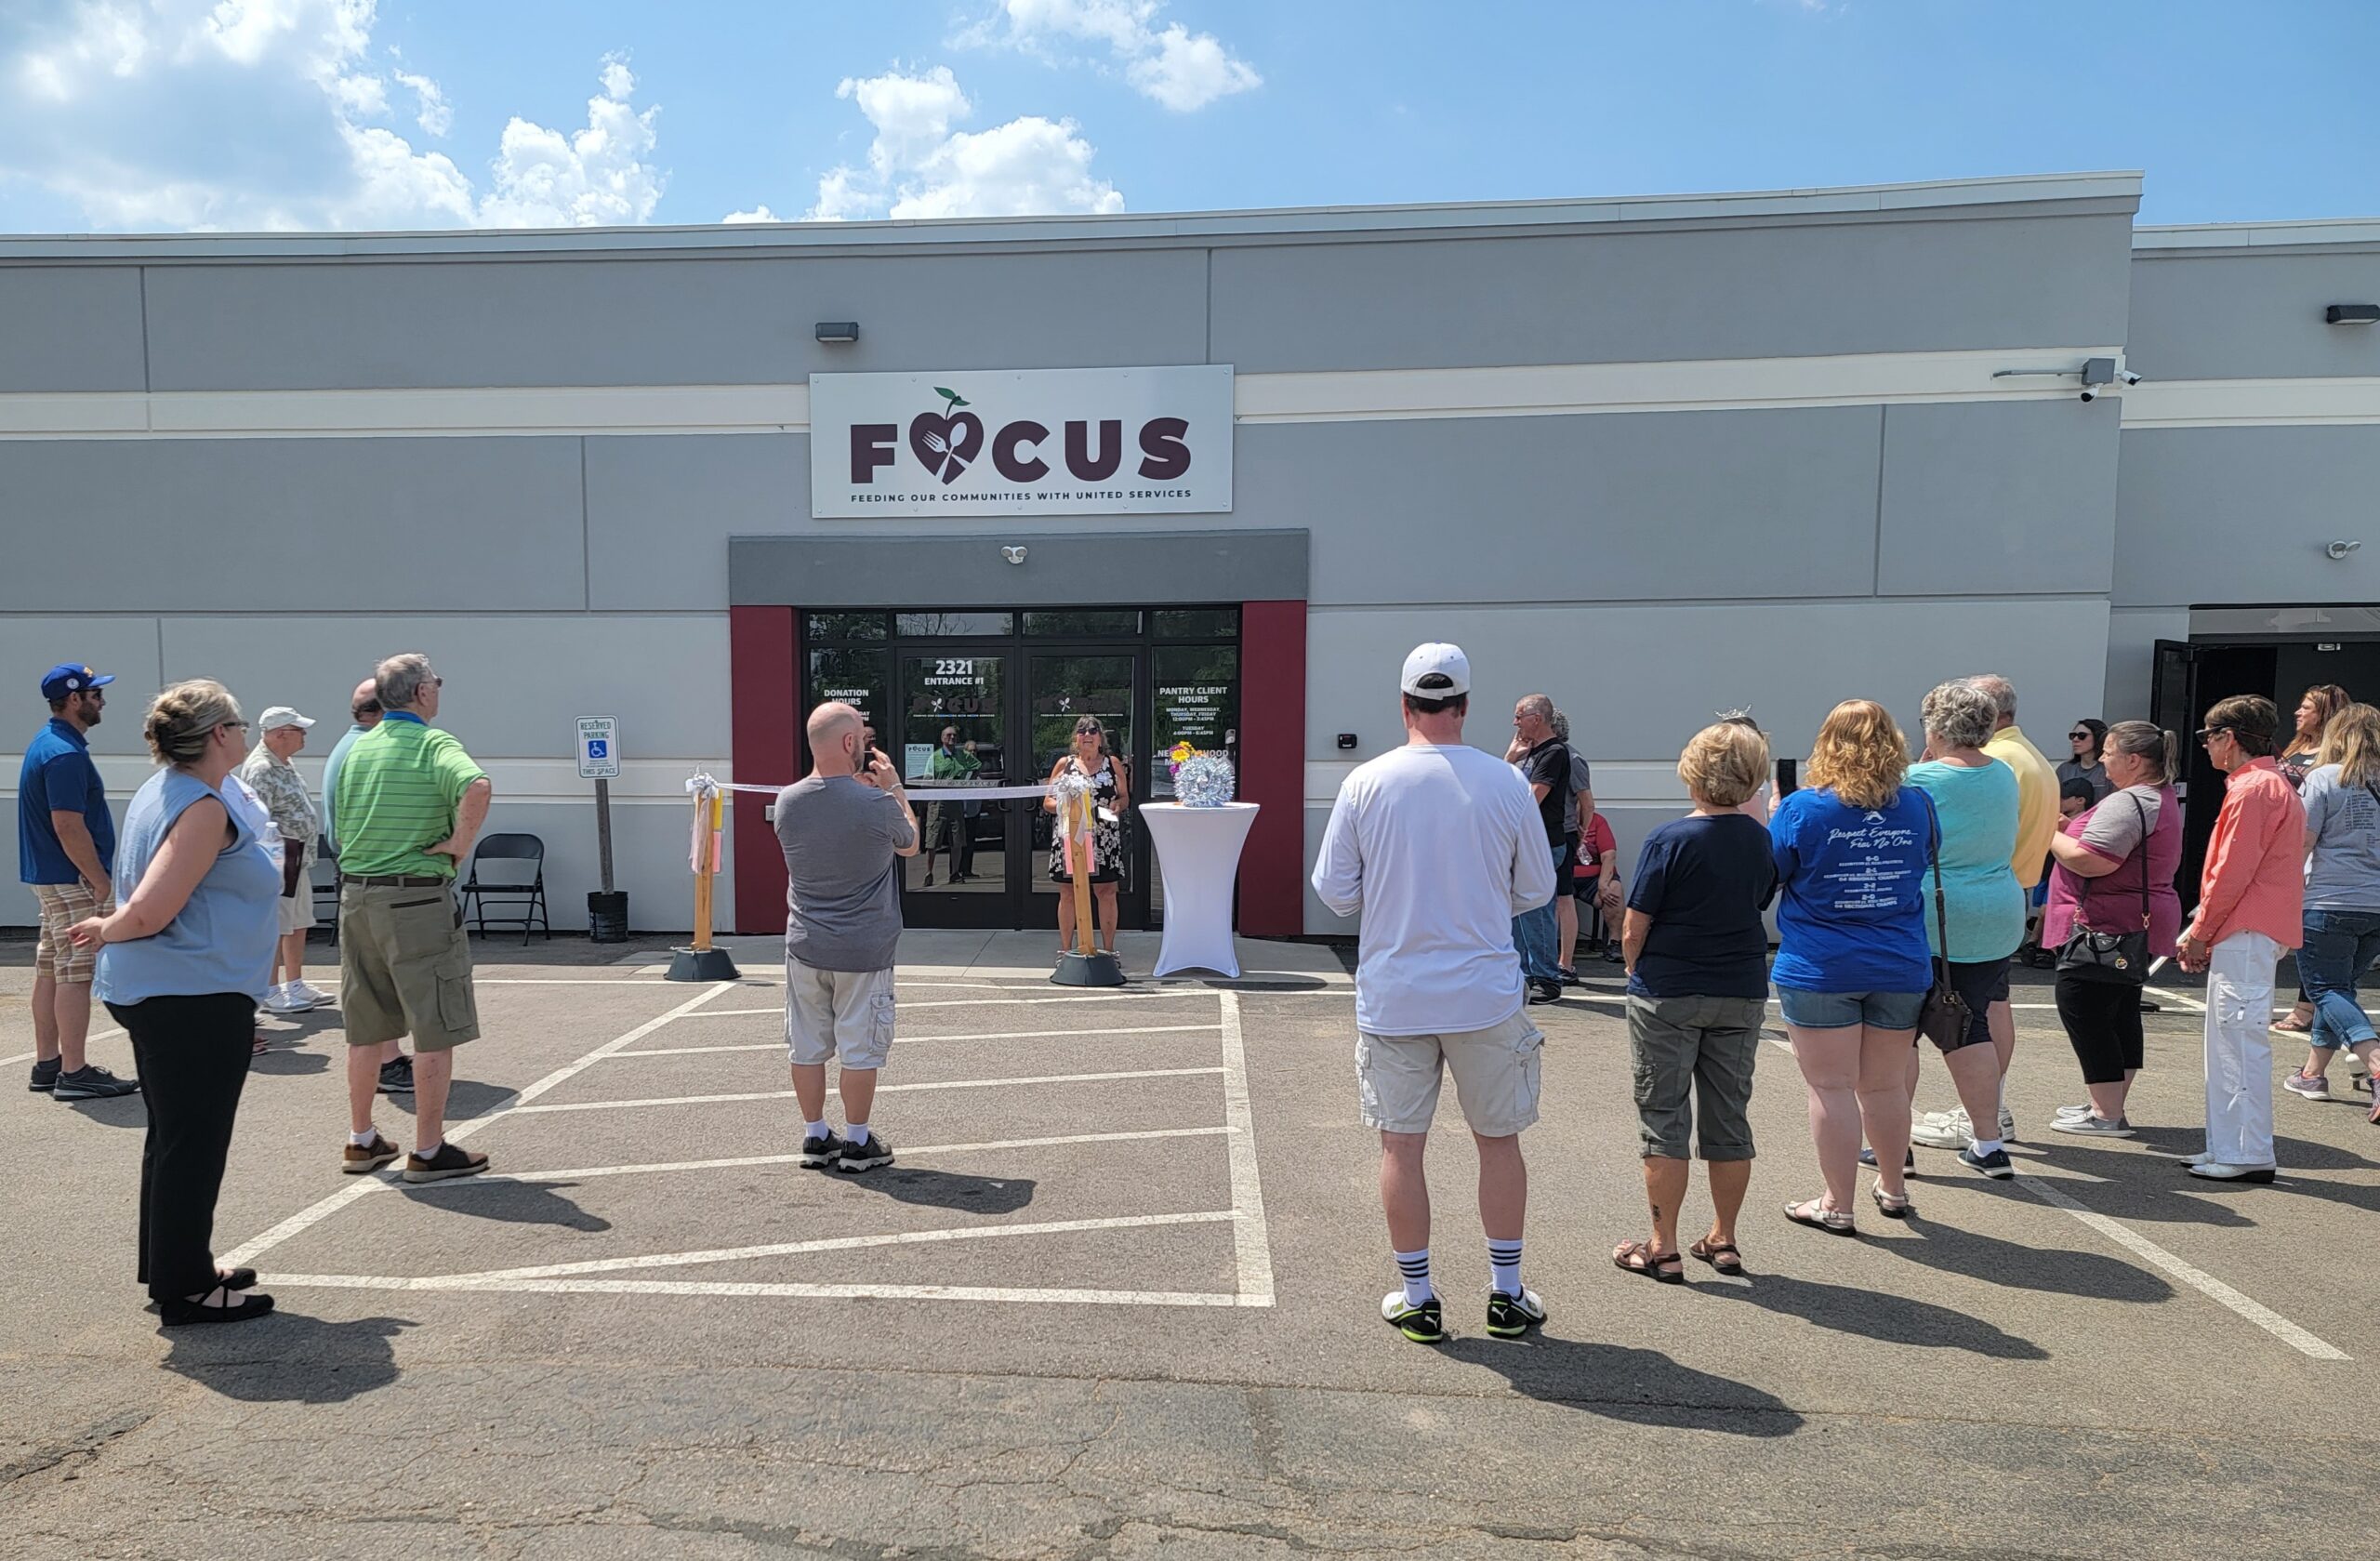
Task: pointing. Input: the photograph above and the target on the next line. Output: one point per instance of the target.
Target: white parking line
(2198, 1280)
(589, 1172)
(907, 1041)
(102, 1035)
(359, 1185)
(992, 1002)
(880, 1088)
(1251, 1241)
(790, 1248)
(788, 1290)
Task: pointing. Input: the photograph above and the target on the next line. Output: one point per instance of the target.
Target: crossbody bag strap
(1934, 851)
(2142, 809)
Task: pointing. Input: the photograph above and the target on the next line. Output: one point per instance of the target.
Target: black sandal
(1904, 1209)
(1649, 1263)
(237, 1279)
(177, 1314)
(1715, 1252)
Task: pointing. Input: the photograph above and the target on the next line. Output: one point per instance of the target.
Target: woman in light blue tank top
(183, 966)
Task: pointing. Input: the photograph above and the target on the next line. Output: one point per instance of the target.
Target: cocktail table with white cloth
(1198, 853)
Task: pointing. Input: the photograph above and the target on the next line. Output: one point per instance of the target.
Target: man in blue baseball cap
(65, 847)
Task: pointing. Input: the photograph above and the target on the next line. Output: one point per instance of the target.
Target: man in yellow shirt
(2037, 819)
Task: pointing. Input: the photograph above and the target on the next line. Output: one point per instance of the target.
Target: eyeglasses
(2078, 736)
(2208, 733)
(234, 726)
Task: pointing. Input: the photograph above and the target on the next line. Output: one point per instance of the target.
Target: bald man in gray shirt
(844, 828)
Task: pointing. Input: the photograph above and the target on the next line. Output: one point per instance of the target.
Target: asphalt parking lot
(1118, 1298)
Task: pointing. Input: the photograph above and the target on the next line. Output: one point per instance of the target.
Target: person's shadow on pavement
(286, 1359)
(526, 1203)
(1644, 1387)
(944, 1189)
(1878, 1315)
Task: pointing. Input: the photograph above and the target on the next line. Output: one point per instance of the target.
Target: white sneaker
(1943, 1129)
(313, 996)
(278, 999)
(2007, 1126)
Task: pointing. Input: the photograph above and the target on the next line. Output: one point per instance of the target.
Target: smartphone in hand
(1788, 780)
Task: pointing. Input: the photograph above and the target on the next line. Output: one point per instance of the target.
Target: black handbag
(1945, 1018)
(2116, 957)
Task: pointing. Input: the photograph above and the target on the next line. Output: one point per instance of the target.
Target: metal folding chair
(507, 854)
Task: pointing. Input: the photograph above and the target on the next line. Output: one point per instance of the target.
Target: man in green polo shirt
(410, 803)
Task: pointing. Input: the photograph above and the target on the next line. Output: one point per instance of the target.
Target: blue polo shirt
(59, 778)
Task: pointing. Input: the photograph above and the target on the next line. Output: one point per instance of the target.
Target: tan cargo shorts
(837, 1014)
(55, 956)
(1495, 1078)
(404, 967)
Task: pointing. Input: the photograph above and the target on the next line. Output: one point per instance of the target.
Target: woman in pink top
(2113, 860)
(2251, 906)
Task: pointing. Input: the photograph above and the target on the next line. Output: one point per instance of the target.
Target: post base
(701, 964)
(1088, 970)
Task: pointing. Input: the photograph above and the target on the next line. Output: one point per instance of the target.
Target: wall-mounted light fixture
(2352, 314)
(1014, 555)
(2339, 549)
(839, 330)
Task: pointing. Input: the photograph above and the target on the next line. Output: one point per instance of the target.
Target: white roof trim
(2259, 235)
(1301, 220)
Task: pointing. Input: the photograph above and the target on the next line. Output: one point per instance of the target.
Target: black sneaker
(1541, 990)
(1421, 1324)
(817, 1153)
(44, 1076)
(857, 1157)
(1995, 1165)
(396, 1079)
(446, 1165)
(1568, 976)
(92, 1082)
(1509, 1317)
(1908, 1162)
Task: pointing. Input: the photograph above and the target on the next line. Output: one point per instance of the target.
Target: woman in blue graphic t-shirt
(1852, 963)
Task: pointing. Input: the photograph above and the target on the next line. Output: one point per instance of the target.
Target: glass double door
(1001, 715)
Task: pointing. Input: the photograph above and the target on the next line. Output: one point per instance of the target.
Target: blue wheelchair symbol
(599, 748)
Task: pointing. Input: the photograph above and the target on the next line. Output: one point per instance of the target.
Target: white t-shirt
(1439, 848)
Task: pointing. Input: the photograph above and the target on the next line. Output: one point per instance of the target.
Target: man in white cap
(1440, 845)
(281, 731)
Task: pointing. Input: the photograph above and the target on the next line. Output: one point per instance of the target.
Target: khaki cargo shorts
(55, 956)
(1495, 1078)
(837, 1014)
(404, 967)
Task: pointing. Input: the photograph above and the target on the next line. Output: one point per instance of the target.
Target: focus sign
(1023, 441)
(599, 748)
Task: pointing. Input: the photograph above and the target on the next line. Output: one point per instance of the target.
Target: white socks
(856, 1133)
(363, 1140)
(1415, 1269)
(1504, 1265)
(1983, 1147)
(425, 1151)
(815, 1130)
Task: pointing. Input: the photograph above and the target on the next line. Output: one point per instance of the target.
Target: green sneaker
(1509, 1317)
(1421, 1324)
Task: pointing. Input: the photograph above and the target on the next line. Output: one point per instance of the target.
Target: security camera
(1014, 555)
(2090, 393)
(2129, 377)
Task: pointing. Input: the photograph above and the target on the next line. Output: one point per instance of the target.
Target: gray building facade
(1656, 457)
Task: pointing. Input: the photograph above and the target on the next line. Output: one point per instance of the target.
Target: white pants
(2238, 1050)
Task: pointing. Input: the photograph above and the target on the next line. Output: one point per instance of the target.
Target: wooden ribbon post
(1082, 831)
(1083, 965)
(699, 961)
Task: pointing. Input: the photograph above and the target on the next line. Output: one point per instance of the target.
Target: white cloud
(919, 166)
(431, 111)
(1180, 69)
(758, 213)
(266, 114)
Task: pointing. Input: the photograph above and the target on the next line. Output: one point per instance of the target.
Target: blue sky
(119, 114)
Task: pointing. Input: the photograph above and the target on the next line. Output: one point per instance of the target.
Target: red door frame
(764, 692)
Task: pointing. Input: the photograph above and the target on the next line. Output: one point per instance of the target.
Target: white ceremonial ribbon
(701, 785)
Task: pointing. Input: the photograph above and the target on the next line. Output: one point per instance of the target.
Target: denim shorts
(1840, 1011)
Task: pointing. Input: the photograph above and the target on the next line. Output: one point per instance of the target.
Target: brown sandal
(1721, 1255)
(1638, 1257)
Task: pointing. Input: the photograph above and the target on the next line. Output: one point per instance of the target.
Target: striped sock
(1504, 1265)
(1415, 1268)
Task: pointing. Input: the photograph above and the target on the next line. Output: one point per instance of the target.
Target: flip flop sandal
(1648, 1263)
(1721, 1255)
(1821, 1218)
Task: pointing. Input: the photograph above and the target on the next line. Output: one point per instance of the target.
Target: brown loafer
(445, 1166)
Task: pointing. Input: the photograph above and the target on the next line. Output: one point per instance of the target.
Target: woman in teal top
(182, 967)
(1974, 809)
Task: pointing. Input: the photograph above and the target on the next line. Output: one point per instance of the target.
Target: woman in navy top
(1852, 962)
(182, 967)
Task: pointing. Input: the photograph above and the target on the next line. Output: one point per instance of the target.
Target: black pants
(2102, 1020)
(950, 823)
(194, 1057)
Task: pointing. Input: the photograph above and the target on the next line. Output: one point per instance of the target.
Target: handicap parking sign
(599, 754)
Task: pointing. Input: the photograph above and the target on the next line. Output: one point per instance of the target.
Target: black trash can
(607, 917)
